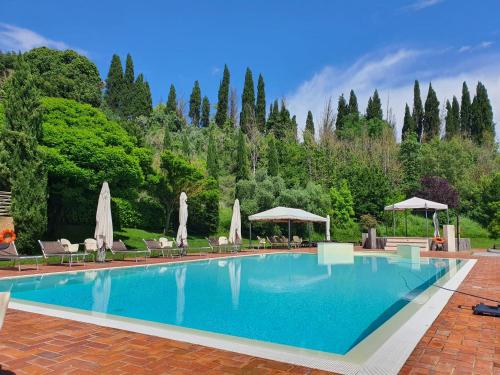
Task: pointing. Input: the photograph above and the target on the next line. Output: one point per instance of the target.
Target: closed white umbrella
(328, 227)
(235, 229)
(104, 224)
(182, 235)
(435, 220)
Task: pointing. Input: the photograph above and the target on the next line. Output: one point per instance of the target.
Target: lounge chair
(10, 253)
(56, 249)
(296, 241)
(213, 243)
(154, 245)
(68, 246)
(90, 247)
(120, 248)
(261, 242)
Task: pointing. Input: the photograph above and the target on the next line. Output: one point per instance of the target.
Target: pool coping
(397, 337)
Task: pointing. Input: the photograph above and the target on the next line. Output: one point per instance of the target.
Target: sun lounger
(154, 245)
(120, 248)
(213, 243)
(56, 249)
(9, 252)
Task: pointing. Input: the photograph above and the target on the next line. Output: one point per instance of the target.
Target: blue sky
(307, 51)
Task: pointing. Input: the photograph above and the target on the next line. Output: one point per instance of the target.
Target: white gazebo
(285, 215)
(416, 203)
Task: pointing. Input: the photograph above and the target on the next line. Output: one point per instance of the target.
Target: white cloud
(422, 4)
(393, 75)
(14, 38)
(482, 45)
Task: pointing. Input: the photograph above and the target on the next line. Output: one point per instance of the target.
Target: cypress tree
(212, 157)
(149, 98)
(23, 119)
(141, 104)
(195, 105)
(242, 166)
(353, 105)
(272, 157)
(310, 123)
(171, 106)
(465, 111)
(247, 101)
(186, 147)
(432, 121)
(418, 111)
(273, 122)
(260, 107)
(167, 138)
(408, 124)
(452, 120)
(223, 97)
(374, 108)
(294, 127)
(342, 112)
(205, 112)
(483, 128)
(114, 84)
(128, 98)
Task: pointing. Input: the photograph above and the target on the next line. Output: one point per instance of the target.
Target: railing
(5, 203)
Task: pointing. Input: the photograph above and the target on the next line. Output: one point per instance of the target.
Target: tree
(272, 157)
(374, 108)
(242, 171)
(205, 112)
(438, 189)
(452, 120)
(483, 128)
(260, 107)
(408, 124)
(128, 89)
(167, 138)
(212, 157)
(310, 123)
(342, 112)
(222, 102)
(247, 101)
(353, 105)
(342, 205)
(418, 111)
(195, 105)
(410, 156)
(431, 122)
(274, 117)
(23, 117)
(140, 101)
(233, 108)
(465, 111)
(65, 74)
(171, 106)
(114, 84)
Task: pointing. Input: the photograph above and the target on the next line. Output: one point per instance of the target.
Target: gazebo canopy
(416, 203)
(286, 214)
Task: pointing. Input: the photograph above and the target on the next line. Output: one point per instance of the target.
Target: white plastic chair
(165, 243)
(68, 246)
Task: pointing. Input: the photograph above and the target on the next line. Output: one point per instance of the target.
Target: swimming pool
(289, 299)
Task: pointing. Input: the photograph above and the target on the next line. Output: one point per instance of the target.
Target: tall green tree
(128, 97)
(483, 127)
(167, 138)
(247, 101)
(353, 105)
(342, 205)
(310, 123)
(272, 157)
(242, 170)
(114, 84)
(374, 108)
(260, 107)
(23, 118)
(465, 111)
(418, 111)
(452, 121)
(140, 103)
(212, 157)
(195, 105)
(342, 112)
(205, 112)
(223, 98)
(408, 124)
(410, 156)
(171, 106)
(432, 122)
(274, 119)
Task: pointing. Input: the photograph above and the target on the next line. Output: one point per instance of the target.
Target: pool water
(287, 298)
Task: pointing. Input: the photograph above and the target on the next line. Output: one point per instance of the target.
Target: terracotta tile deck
(457, 342)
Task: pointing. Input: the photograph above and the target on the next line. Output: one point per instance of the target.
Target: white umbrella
(182, 235)
(328, 227)
(104, 224)
(435, 220)
(235, 230)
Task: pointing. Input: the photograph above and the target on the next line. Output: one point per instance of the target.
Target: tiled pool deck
(458, 342)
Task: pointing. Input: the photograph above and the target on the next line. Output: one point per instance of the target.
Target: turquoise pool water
(280, 298)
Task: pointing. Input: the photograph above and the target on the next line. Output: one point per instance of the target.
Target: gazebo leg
(289, 225)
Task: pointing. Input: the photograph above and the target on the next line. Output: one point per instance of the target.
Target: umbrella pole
(393, 222)
(447, 216)
(250, 240)
(426, 224)
(406, 224)
(289, 234)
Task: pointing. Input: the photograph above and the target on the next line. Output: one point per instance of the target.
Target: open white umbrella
(182, 235)
(435, 220)
(235, 229)
(328, 227)
(104, 224)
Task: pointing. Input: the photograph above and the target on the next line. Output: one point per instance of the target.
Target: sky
(307, 51)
